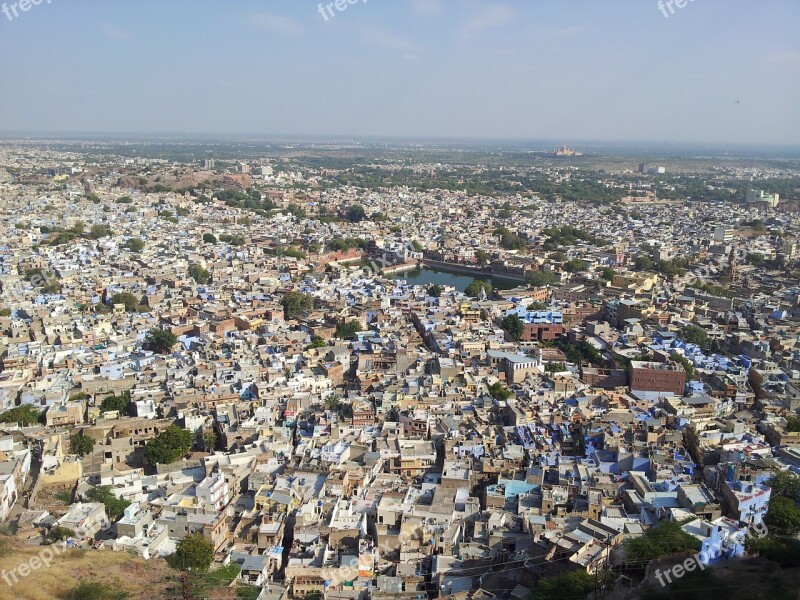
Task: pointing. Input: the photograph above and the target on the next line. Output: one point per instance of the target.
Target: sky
(718, 71)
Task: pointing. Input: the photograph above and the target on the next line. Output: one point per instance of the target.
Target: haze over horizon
(712, 72)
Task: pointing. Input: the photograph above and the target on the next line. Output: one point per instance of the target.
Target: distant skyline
(713, 71)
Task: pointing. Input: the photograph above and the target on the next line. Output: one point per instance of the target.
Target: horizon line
(373, 138)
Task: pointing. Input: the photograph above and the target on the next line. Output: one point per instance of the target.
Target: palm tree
(333, 403)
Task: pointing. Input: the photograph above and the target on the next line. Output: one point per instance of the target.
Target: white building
(86, 519)
(8, 495)
(214, 491)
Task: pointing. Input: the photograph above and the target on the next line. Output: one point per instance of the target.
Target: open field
(142, 579)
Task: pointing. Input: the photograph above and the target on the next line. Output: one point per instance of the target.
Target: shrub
(96, 590)
(665, 539)
(81, 444)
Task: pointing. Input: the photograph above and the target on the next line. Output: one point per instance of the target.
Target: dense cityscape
(347, 371)
(399, 300)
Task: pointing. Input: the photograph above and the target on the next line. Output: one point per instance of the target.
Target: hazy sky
(563, 69)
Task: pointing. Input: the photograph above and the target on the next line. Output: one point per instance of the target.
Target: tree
(160, 341)
(119, 403)
(194, 553)
(576, 265)
(209, 238)
(341, 245)
(99, 231)
(134, 245)
(347, 331)
(81, 444)
(333, 403)
(355, 213)
(665, 539)
(57, 534)
(115, 507)
(785, 484)
(541, 278)
(695, 335)
(643, 263)
(170, 445)
(209, 440)
(199, 274)
(792, 423)
(534, 306)
(316, 342)
(513, 326)
(43, 279)
(296, 303)
(498, 392)
(416, 245)
(25, 415)
(474, 289)
(129, 300)
(608, 274)
(783, 516)
(294, 252)
(511, 241)
(295, 210)
(686, 363)
(482, 257)
(435, 290)
(233, 240)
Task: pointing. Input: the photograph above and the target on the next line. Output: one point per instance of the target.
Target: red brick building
(541, 332)
(653, 377)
